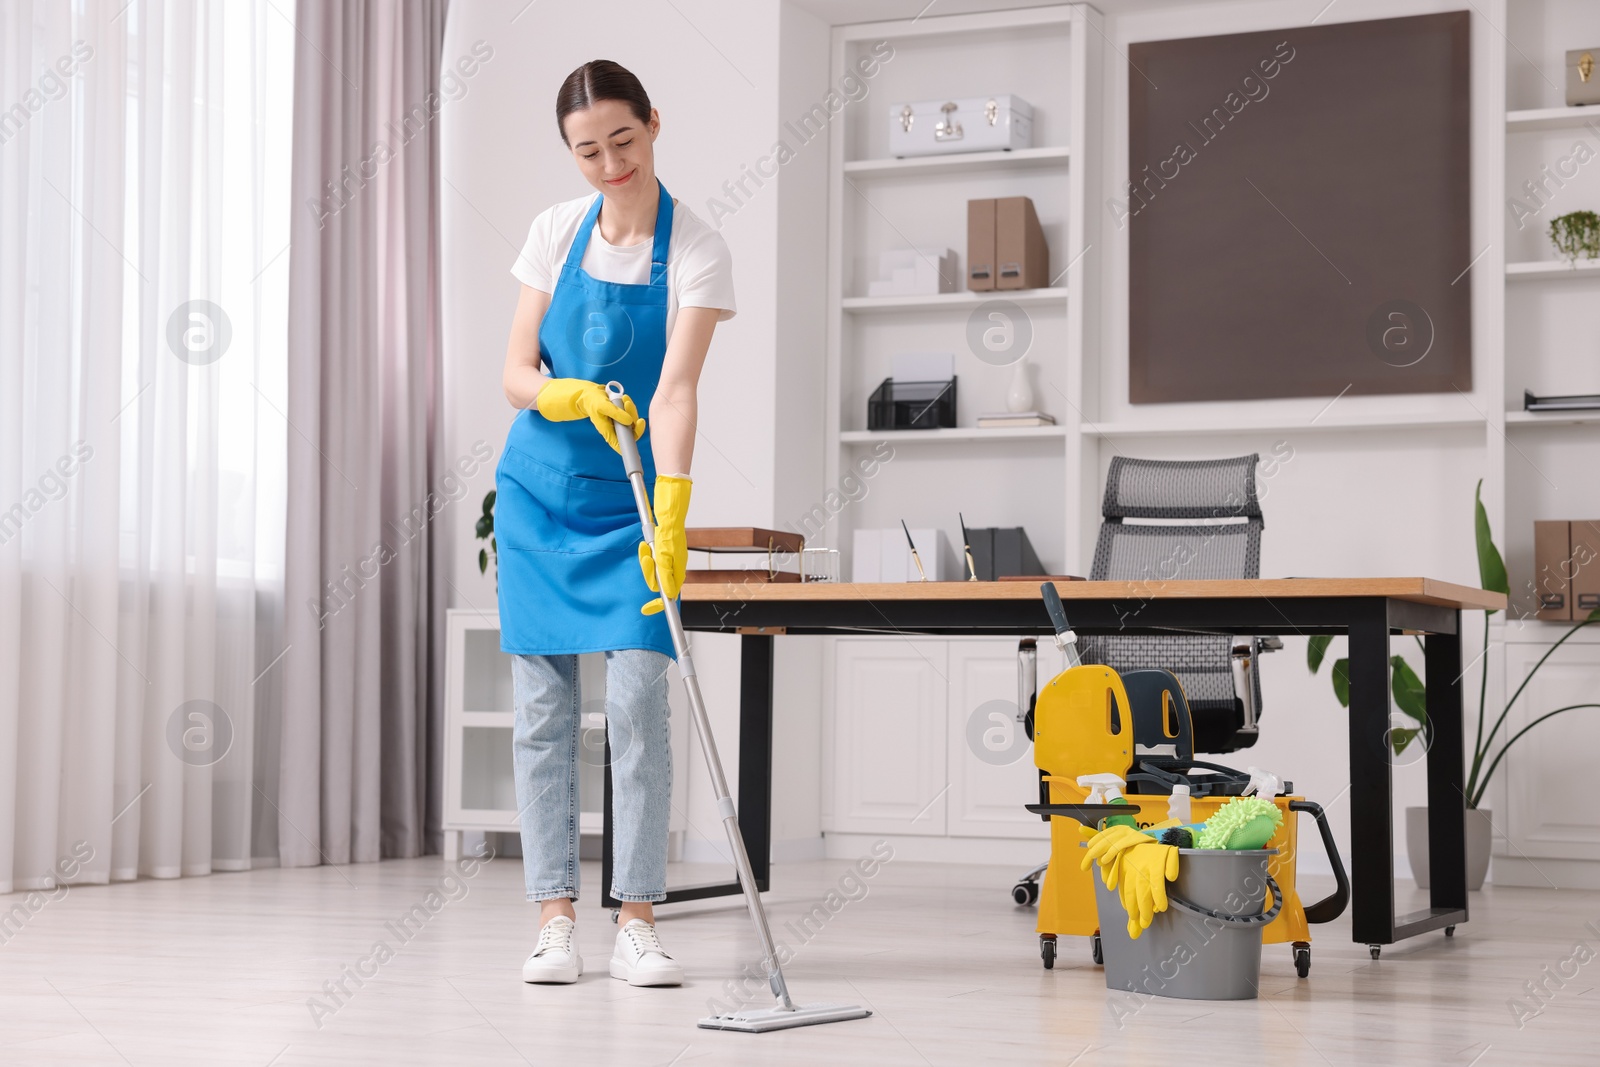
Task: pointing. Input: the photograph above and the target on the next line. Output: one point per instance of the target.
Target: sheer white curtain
(144, 227)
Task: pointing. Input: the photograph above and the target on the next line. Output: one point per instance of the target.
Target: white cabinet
(989, 757)
(1549, 774)
(906, 757)
(889, 736)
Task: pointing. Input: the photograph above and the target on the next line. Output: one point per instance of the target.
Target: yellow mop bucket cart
(1090, 723)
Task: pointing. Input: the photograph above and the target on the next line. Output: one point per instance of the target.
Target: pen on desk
(966, 546)
(914, 557)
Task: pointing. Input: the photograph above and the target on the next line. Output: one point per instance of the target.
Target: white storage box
(915, 272)
(964, 124)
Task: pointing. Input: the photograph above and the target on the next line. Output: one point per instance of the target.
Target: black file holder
(912, 405)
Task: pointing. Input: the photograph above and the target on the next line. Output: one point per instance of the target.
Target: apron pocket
(601, 514)
(529, 504)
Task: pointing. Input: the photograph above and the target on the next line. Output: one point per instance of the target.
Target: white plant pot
(1480, 835)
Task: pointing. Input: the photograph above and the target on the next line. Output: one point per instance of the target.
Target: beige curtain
(360, 737)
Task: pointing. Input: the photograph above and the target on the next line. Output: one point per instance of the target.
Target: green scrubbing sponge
(1243, 822)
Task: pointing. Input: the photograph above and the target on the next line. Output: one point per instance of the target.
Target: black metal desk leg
(1371, 784)
(1447, 852)
(755, 752)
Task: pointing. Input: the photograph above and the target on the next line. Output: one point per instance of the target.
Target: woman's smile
(622, 180)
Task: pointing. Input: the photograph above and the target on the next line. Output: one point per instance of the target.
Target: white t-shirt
(699, 267)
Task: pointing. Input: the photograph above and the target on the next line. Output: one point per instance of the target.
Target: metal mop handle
(697, 706)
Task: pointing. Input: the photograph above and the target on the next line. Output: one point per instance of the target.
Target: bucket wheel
(1302, 958)
(1095, 949)
(1047, 950)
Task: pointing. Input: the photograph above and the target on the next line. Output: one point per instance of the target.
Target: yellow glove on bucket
(1144, 872)
(671, 547)
(1106, 845)
(569, 399)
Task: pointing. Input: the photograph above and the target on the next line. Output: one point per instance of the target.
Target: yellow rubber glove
(569, 399)
(1104, 847)
(1144, 872)
(671, 547)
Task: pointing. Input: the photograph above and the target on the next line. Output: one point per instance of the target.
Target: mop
(785, 1013)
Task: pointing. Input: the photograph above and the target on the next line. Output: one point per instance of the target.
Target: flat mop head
(759, 1021)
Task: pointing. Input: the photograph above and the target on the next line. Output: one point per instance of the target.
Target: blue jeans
(545, 758)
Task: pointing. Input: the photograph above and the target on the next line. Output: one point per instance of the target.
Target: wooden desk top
(1418, 590)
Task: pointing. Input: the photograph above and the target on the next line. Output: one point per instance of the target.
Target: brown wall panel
(1299, 221)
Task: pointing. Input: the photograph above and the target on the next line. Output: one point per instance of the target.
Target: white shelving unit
(1050, 56)
(1551, 418)
(479, 788)
(1551, 118)
(1420, 420)
(962, 301)
(1055, 155)
(1553, 269)
(956, 433)
(1547, 459)
(923, 692)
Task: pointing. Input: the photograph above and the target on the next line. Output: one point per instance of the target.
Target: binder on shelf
(1022, 261)
(980, 245)
(1585, 539)
(1552, 568)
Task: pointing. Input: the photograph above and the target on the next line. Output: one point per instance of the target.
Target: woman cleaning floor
(625, 284)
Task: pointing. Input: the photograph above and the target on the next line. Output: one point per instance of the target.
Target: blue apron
(565, 523)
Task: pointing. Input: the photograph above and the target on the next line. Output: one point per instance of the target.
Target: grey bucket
(1207, 944)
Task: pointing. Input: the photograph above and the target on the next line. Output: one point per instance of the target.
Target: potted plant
(1409, 696)
(1575, 232)
(485, 531)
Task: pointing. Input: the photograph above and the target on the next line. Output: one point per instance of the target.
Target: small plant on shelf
(1576, 232)
(485, 531)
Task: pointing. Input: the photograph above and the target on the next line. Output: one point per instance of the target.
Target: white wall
(1349, 502)
(721, 76)
(724, 77)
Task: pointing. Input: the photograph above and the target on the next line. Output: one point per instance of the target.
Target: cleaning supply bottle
(1178, 804)
(1107, 789)
(1262, 784)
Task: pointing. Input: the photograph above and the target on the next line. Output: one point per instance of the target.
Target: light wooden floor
(219, 970)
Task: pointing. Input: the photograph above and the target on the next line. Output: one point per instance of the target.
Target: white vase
(1480, 835)
(1019, 395)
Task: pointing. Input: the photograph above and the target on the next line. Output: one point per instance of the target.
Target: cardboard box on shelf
(1022, 261)
(1585, 567)
(1552, 569)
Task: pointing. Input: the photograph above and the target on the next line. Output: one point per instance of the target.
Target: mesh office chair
(1221, 538)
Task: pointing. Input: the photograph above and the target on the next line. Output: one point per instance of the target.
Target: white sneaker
(639, 958)
(556, 959)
